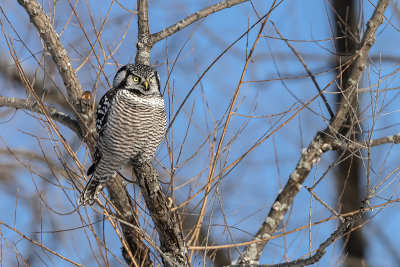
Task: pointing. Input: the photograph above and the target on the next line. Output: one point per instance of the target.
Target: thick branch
(61, 117)
(320, 144)
(172, 243)
(156, 37)
(144, 43)
(344, 227)
(60, 56)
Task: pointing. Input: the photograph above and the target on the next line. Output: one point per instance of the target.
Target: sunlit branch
(77, 97)
(147, 40)
(172, 243)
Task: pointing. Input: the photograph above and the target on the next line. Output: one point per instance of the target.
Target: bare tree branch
(61, 117)
(348, 175)
(385, 140)
(156, 37)
(147, 40)
(60, 56)
(52, 95)
(127, 214)
(155, 234)
(320, 144)
(144, 44)
(391, 139)
(81, 100)
(320, 252)
(39, 244)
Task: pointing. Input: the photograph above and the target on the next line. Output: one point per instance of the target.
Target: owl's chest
(134, 115)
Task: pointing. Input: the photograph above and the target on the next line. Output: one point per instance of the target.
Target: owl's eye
(150, 80)
(136, 79)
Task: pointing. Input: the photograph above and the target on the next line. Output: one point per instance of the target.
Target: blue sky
(251, 187)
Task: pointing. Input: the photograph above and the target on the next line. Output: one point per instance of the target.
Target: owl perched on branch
(131, 123)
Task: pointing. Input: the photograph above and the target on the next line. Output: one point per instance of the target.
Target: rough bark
(172, 244)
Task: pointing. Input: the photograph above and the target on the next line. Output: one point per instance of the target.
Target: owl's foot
(90, 193)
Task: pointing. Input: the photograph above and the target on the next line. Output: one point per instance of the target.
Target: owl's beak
(146, 84)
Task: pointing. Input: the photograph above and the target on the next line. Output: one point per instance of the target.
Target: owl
(131, 123)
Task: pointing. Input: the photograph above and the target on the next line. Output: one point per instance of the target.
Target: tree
(233, 137)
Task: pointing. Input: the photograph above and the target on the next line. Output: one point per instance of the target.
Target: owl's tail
(91, 191)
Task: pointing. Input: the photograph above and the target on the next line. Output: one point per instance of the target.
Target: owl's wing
(102, 111)
(101, 123)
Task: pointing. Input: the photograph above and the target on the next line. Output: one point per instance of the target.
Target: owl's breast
(137, 124)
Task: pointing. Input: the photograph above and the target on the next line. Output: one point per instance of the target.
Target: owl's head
(139, 78)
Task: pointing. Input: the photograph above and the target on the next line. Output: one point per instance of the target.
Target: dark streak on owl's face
(138, 78)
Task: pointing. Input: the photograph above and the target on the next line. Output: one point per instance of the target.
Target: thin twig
(320, 252)
(324, 204)
(52, 94)
(38, 244)
(193, 239)
(307, 69)
(212, 64)
(140, 231)
(156, 37)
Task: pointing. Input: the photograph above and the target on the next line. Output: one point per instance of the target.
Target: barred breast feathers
(148, 101)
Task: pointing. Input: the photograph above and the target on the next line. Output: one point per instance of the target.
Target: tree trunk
(348, 172)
